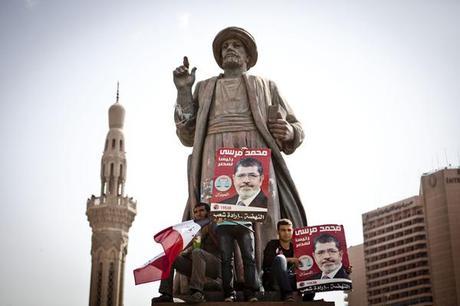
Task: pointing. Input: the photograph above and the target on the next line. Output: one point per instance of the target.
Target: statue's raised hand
(183, 79)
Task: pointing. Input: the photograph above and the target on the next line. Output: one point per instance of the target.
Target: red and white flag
(173, 239)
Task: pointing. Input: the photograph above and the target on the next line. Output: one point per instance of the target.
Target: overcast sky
(375, 84)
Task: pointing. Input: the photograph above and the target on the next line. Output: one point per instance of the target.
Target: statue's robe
(192, 132)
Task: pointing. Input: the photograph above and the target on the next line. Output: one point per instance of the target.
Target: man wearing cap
(238, 110)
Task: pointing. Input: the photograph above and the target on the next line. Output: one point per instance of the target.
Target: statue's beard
(232, 61)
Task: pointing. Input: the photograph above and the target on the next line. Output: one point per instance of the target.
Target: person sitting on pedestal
(199, 261)
(279, 264)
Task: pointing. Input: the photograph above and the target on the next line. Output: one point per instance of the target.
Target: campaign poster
(241, 184)
(322, 251)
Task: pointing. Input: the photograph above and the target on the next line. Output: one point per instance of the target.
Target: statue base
(271, 298)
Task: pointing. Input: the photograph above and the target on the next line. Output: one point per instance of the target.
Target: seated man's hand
(186, 251)
(294, 260)
(217, 220)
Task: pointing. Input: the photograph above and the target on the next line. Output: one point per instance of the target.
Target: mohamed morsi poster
(241, 184)
(324, 264)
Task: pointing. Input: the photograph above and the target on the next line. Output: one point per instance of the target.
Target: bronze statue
(236, 109)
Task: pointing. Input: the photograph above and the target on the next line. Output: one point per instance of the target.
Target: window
(110, 286)
(99, 285)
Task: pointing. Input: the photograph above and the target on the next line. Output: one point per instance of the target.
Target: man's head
(234, 47)
(201, 211)
(284, 227)
(248, 177)
(327, 253)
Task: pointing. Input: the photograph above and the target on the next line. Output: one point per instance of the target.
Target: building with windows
(396, 254)
(440, 193)
(411, 248)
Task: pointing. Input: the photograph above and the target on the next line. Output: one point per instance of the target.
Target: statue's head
(234, 47)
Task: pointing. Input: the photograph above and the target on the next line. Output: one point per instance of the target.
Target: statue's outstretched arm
(186, 103)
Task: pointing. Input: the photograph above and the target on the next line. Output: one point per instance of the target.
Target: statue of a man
(235, 110)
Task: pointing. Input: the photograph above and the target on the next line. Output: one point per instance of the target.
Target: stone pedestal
(260, 303)
(269, 298)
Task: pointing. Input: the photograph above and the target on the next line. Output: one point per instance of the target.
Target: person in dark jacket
(279, 264)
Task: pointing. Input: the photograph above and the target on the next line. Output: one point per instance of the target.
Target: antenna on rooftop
(445, 154)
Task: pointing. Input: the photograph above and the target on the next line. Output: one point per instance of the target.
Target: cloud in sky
(183, 20)
(31, 4)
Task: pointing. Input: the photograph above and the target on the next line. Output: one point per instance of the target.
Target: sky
(374, 83)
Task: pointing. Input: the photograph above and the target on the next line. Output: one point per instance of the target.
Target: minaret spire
(118, 91)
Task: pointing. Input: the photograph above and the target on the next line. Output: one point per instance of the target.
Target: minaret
(110, 216)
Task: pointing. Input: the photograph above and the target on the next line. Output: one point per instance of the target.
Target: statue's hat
(240, 34)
